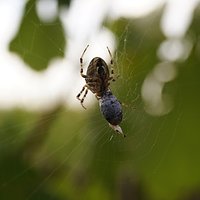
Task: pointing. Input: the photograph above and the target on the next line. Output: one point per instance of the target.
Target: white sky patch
(155, 101)
(177, 17)
(85, 18)
(175, 49)
(47, 10)
(165, 72)
(11, 13)
(136, 8)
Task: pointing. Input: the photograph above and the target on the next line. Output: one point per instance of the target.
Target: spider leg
(82, 100)
(81, 63)
(112, 66)
(85, 94)
(97, 97)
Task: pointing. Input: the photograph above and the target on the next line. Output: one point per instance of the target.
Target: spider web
(59, 153)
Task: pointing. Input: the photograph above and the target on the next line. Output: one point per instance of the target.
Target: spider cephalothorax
(98, 76)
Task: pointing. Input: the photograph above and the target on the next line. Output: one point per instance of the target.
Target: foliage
(64, 154)
(36, 40)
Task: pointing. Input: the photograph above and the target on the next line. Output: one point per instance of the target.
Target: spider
(97, 80)
(97, 77)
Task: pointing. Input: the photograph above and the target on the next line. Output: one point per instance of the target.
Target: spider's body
(97, 80)
(97, 76)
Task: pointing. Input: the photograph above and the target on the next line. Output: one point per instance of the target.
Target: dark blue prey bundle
(112, 110)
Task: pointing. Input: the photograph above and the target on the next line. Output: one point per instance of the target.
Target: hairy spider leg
(81, 62)
(85, 94)
(79, 94)
(111, 64)
(82, 100)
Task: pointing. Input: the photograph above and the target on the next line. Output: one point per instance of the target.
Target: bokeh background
(53, 149)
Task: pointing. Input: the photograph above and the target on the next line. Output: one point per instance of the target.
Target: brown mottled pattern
(98, 81)
(97, 77)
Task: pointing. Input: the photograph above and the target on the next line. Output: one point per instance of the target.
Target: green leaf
(36, 42)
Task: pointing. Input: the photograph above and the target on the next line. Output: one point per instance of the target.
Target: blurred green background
(65, 154)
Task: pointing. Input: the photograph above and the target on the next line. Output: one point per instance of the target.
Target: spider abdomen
(111, 108)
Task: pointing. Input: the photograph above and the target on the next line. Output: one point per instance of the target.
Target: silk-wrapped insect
(111, 109)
